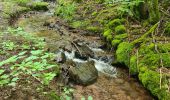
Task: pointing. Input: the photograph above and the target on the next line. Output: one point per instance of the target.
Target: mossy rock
(109, 37)
(120, 29)
(116, 42)
(154, 60)
(107, 32)
(115, 23)
(147, 49)
(133, 68)
(121, 36)
(151, 80)
(151, 58)
(122, 52)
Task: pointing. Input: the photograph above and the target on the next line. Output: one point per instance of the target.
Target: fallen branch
(75, 45)
(146, 34)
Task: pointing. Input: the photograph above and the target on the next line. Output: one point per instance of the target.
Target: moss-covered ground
(141, 44)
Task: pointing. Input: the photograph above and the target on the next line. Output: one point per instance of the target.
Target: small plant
(30, 59)
(65, 9)
(67, 93)
(8, 45)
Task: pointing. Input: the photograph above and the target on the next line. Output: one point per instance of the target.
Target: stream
(113, 83)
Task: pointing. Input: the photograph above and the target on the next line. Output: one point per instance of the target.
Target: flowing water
(113, 83)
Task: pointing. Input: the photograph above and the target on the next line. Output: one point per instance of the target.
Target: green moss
(151, 80)
(123, 51)
(22, 2)
(121, 36)
(79, 24)
(133, 65)
(167, 29)
(151, 58)
(164, 48)
(115, 23)
(94, 13)
(78, 1)
(94, 29)
(166, 60)
(143, 37)
(39, 6)
(109, 37)
(107, 32)
(116, 42)
(147, 49)
(120, 29)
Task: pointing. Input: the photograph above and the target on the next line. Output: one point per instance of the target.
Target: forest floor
(36, 36)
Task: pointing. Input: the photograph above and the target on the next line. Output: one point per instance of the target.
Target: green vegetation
(115, 42)
(138, 31)
(120, 29)
(123, 51)
(65, 9)
(135, 30)
(167, 29)
(26, 59)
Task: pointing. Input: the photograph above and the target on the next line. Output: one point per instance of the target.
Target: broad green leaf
(11, 59)
(15, 79)
(31, 58)
(90, 98)
(22, 53)
(1, 71)
(36, 52)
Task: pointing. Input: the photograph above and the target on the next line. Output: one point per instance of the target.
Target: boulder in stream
(83, 73)
(83, 52)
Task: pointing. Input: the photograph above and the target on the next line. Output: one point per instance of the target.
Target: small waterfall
(101, 66)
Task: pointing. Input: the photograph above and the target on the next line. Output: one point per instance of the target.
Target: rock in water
(84, 52)
(60, 57)
(83, 73)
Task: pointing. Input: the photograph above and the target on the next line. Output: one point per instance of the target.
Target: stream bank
(58, 35)
(132, 42)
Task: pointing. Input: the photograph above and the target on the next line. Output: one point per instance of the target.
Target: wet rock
(60, 57)
(107, 59)
(83, 52)
(83, 73)
(68, 48)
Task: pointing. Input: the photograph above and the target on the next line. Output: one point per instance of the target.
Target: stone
(83, 73)
(83, 52)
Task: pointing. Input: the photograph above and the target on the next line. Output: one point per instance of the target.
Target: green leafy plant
(32, 60)
(8, 45)
(65, 9)
(67, 93)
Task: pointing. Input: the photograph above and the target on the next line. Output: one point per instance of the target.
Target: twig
(165, 13)
(160, 71)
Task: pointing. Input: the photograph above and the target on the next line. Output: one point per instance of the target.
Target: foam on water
(100, 65)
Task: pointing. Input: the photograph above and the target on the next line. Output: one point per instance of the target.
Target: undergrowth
(24, 58)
